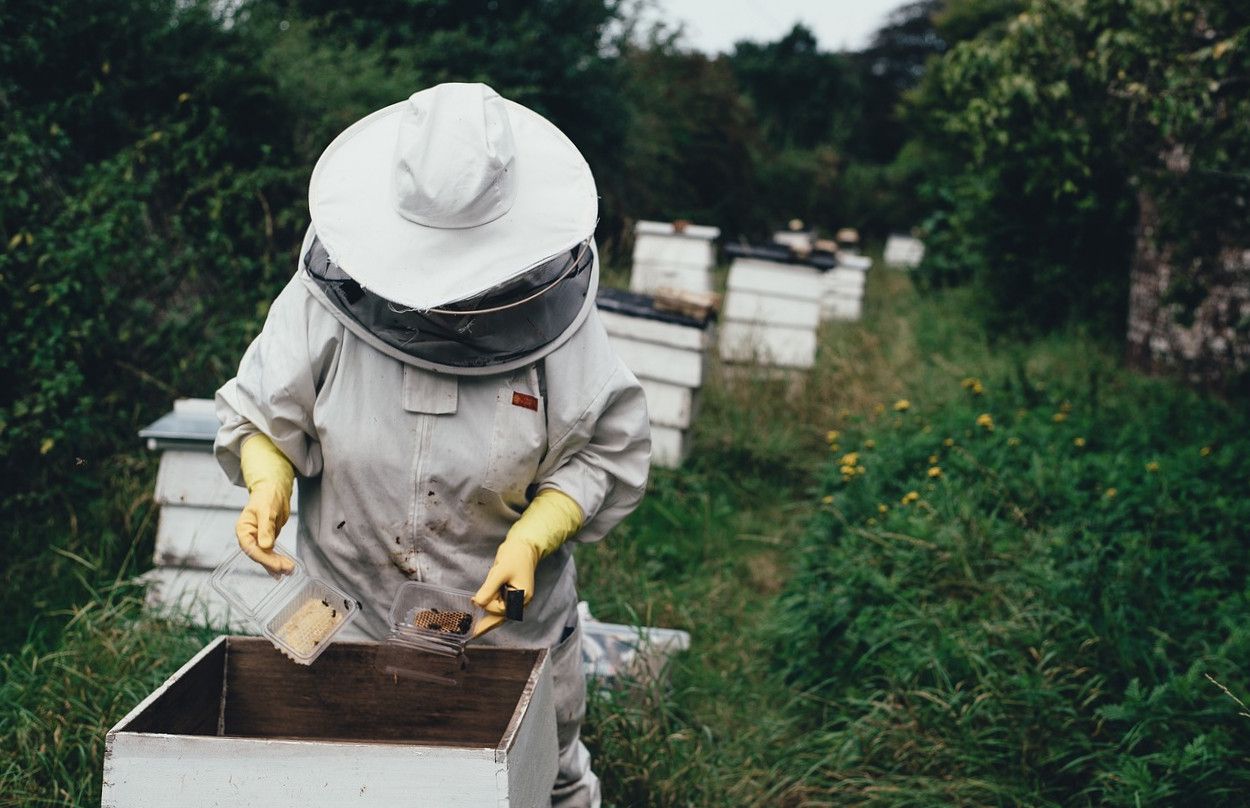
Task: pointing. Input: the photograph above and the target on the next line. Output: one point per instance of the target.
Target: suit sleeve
(604, 458)
(276, 387)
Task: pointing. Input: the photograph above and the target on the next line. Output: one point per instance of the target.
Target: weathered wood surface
(648, 276)
(338, 733)
(661, 362)
(641, 329)
(669, 404)
(745, 306)
(796, 281)
(780, 346)
(666, 257)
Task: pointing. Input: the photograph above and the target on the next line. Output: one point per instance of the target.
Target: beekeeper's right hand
(270, 478)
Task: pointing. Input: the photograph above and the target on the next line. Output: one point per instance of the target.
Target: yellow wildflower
(832, 436)
(872, 522)
(1013, 441)
(1152, 466)
(184, 98)
(935, 471)
(1059, 417)
(861, 470)
(933, 459)
(902, 405)
(977, 389)
(986, 420)
(1065, 406)
(882, 508)
(850, 459)
(1205, 451)
(828, 500)
(847, 471)
(909, 497)
(1078, 443)
(1110, 493)
(870, 444)
(948, 443)
(968, 382)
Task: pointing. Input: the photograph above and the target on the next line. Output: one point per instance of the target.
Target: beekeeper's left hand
(551, 518)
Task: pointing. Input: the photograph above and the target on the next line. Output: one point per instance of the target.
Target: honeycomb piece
(309, 626)
(436, 620)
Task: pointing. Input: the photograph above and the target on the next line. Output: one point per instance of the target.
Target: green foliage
(1048, 128)
(1017, 596)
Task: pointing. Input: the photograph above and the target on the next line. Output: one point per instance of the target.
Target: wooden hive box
(668, 353)
(903, 252)
(199, 507)
(668, 257)
(843, 295)
(772, 311)
(240, 724)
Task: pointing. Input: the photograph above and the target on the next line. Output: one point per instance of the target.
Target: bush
(1017, 598)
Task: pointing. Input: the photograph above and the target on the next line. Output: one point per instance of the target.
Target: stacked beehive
(667, 351)
(772, 310)
(903, 252)
(199, 507)
(673, 255)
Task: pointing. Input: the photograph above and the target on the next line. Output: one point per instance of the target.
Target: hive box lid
(239, 724)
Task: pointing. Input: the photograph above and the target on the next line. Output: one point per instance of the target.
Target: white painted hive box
(668, 353)
(772, 311)
(199, 507)
(666, 257)
(240, 724)
(843, 295)
(903, 252)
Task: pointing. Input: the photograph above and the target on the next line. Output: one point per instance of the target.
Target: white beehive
(668, 354)
(669, 256)
(903, 252)
(771, 314)
(199, 507)
(842, 297)
(240, 724)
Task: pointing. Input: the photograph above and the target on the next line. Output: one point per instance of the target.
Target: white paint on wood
(797, 240)
(773, 278)
(845, 281)
(529, 759)
(157, 771)
(903, 251)
(185, 595)
(669, 446)
(690, 231)
(649, 277)
(769, 345)
(201, 537)
(746, 306)
(669, 404)
(195, 406)
(854, 261)
(662, 363)
(840, 308)
(643, 329)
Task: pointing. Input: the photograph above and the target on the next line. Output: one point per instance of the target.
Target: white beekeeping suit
(426, 394)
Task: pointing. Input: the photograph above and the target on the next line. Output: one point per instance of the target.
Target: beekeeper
(437, 376)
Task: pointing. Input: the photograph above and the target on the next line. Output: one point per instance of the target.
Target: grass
(833, 661)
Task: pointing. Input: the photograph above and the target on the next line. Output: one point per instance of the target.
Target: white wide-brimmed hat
(449, 194)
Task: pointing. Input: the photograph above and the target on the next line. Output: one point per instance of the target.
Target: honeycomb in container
(309, 626)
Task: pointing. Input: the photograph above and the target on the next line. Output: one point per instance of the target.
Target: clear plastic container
(298, 613)
(430, 626)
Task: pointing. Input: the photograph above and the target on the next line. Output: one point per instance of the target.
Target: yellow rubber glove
(270, 477)
(551, 518)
